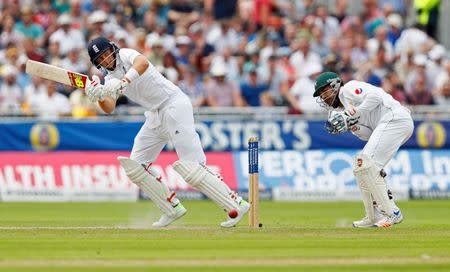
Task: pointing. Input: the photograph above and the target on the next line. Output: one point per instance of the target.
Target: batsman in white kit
(169, 117)
(376, 117)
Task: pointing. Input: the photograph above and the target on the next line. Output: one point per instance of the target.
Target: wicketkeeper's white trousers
(393, 131)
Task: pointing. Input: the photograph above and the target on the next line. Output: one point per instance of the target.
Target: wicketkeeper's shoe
(389, 221)
(244, 206)
(366, 223)
(166, 220)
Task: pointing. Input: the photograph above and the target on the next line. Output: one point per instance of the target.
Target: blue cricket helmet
(98, 46)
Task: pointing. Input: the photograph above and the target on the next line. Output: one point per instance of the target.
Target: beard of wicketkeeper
(330, 98)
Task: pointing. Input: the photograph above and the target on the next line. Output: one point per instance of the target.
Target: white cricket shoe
(389, 221)
(244, 206)
(166, 220)
(366, 223)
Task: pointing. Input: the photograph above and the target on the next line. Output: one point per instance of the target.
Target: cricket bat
(57, 74)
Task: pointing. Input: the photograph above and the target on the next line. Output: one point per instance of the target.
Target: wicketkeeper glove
(342, 121)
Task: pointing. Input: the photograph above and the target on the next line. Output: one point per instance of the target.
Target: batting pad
(156, 190)
(201, 178)
(368, 173)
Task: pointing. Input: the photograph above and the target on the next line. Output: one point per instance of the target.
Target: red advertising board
(86, 176)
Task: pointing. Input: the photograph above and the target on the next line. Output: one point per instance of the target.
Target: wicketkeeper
(169, 117)
(374, 116)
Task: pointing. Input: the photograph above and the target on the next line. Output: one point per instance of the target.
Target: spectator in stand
(220, 92)
(271, 43)
(303, 91)
(193, 87)
(380, 39)
(359, 54)
(51, 104)
(67, 37)
(393, 86)
(184, 50)
(304, 8)
(318, 44)
(262, 11)
(201, 47)
(234, 72)
(273, 77)
(53, 56)
(340, 10)
(444, 75)
(329, 24)
(397, 6)
(32, 51)
(156, 56)
(395, 24)
(220, 9)
(182, 13)
(81, 106)
(334, 44)
(419, 71)
(10, 93)
(442, 97)
(170, 67)
(411, 38)
(375, 70)
(419, 94)
(35, 88)
(11, 55)
(160, 32)
(435, 65)
(405, 65)
(224, 36)
(28, 28)
(371, 15)
(253, 63)
(303, 58)
(9, 34)
(98, 24)
(252, 88)
(74, 62)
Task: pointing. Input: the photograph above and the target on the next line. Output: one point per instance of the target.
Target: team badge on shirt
(358, 91)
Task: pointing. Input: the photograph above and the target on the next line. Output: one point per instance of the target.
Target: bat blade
(57, 74)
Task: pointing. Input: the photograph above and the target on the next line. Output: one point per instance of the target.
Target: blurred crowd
(226, 53)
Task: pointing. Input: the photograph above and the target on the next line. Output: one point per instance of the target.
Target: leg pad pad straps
(201, 178)
(156, 190)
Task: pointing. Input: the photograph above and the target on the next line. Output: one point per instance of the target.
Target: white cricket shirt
(354, 93)
(150, 90)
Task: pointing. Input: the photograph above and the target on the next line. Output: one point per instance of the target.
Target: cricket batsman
(168, 117)
(373, 116)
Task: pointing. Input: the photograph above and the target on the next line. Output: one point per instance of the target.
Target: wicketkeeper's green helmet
(325, 79)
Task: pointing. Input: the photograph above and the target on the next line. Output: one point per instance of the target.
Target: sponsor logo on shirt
(358, 91)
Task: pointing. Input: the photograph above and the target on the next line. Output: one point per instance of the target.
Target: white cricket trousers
(174, 122)
(394, 129)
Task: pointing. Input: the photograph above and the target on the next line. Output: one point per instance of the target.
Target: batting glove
(94, 90)
(114, 87)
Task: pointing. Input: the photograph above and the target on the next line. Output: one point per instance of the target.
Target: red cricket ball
(233, 214)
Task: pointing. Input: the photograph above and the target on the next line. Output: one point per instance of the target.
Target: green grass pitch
(295, 237)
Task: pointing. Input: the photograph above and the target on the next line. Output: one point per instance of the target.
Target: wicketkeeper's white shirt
(355, 92)
(385, 127)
